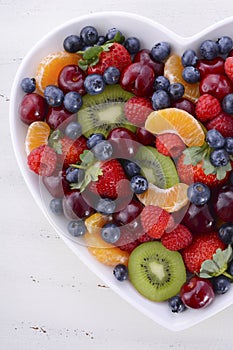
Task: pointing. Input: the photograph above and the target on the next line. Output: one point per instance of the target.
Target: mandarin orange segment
(173, 71)
(171, 199)
(37, 135)
(104, 252)
(49, 68)
(179, 122)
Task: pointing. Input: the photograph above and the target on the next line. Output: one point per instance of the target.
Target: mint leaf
(218, 265)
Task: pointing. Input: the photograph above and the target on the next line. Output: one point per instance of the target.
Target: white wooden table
(48, 298)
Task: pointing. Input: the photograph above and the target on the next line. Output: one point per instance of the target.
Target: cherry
(75, 206)
(184, 104)
(215, 66)
(144, 137)
(199, 219)
(197, 293)
(59, 117)
(138, 78)
(143, 56)
(124, 142)
(223, 203)
(71, 78)
(33, 108)
(56, 184)
(217, 85)
(129, 213)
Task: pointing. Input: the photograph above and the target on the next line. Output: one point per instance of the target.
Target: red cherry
(75, 207)
(197, 293)
(185, 104)
(217, 85)
(59, 117)
(143, 56)
(138, 78)
(144, 137)
(215, 66)
(71, 78)
(56, 184)
(124, 142)
(129, 213)
(33, 108)
(199, 219)
(223, 203)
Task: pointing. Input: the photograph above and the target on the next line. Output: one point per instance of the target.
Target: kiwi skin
(166, 264)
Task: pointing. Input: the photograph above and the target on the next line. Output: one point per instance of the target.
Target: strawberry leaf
(92, 52)
(91, 174)
(54, 141)
(118, 38)
(222, 171)
(195, 154)
(218, 265)
(87, 157)
(83, 64)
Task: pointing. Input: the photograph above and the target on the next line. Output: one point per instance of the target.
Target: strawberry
(71, 150)
(228, 67)
(42, 160)
(137, 110)
(223, 123)
(202, 248)
(170, 145)
(154, 220)
(177, 239)
(97, 59)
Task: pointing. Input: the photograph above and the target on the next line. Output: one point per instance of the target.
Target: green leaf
(118, 38)
(218, 265)
(54, 141)
(87, 157)
(208, 167)
(222, 171)
(195, 154)
(83, 64)
(92, 52)
(92, 174)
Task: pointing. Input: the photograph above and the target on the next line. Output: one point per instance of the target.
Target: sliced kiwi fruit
(157, 168)
(103, 112)
(156, 272)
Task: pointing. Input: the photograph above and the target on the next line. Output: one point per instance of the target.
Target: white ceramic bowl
(149, 33)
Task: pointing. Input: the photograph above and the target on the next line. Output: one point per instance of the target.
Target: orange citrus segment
(171, 199)
(49, 68)
(104, 252)
(37, 134)
(173, 71)
(177, 121)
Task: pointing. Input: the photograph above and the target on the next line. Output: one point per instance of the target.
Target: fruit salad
(134, 146)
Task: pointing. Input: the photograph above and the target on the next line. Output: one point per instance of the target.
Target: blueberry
(160, 51)
(73, 101)
(110, 233)
(103, 150)
(139, 184)
(225, 233)
(77, 228)
(74, 175)
(56, 206)
(191, 74)
(73, 130)
(176, 91)
(94, 84)
(198, 193)
(219, 157)
(209, 49)
(72, 43)
(215, 139)
(131, 168)
(132, 44)
(160, 100)
(229, 145)
(89, 35)
(106, 206)
(53, 95)
(28, 85)
(94, 139)
(189, 58)
(111, 33)
(176, 304)
(224, 44)
(111, 75)
(161, 83)
(221, 284)
(101, 40)
(227, 103)
(120, 271)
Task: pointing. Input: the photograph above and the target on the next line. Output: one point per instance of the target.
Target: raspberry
(207, 107)
(144, 237)
(223, 123)
(154, 220)
(42, 160)
(170, 145)
(202, 248)
(228, 66)
(137, 110)
(177, 239)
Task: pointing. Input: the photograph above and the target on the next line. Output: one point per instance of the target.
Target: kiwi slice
(156, 272)
(103, 112)
(157, 168)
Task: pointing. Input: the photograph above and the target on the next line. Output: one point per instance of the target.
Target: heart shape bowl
(149, 33)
